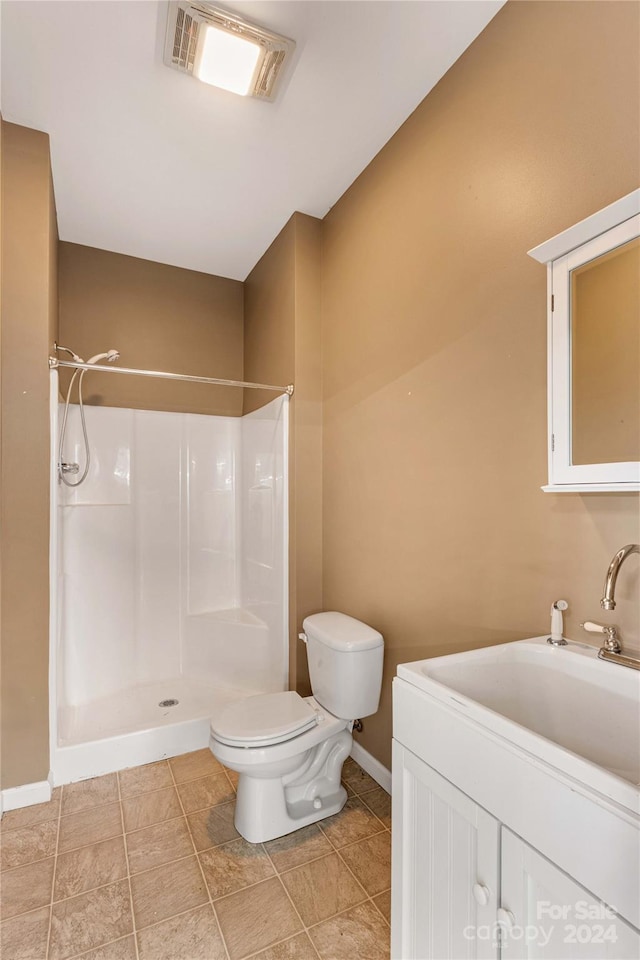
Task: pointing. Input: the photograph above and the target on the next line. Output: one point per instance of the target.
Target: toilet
(289, 750)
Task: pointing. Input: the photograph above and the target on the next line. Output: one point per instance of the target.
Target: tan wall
(160, 318)
(436, 531)
(29, 318)
(282, 345)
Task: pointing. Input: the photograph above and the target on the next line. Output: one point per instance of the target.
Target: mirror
(605, 357)
(593, 271)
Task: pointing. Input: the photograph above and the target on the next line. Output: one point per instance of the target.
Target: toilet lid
(264, 720)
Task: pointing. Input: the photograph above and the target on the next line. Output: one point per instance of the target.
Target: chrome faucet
(608, 601)
(611, 649)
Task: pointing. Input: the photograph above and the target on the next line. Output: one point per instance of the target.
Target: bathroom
(410, 321)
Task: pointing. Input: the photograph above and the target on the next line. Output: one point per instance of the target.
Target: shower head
(110, 356)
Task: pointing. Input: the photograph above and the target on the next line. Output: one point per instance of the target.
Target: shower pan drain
(168, 703)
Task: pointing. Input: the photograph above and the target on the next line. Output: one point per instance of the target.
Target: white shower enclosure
(168, 580)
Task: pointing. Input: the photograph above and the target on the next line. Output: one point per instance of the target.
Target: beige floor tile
(89, 793)
(214, 826)
(193, 766)
(37, 842)
(356, 778)
(88, 867)
(123, 949)
(298, 847)
(161, 843)
(150, 808)
(90, 826)
(191, 936)
(26, 816)
(90, 920)
(207, 792)
(25, 937)
(256, 918)
(354, 822)
(152, 776)
(360, 932)
(26, 888)
(233, 866)
(370, 860)
(297, 948)
(383, 903)
(379, 802)
(322, 888)
(165, 891)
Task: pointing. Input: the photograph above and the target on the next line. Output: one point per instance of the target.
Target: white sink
(562, 704)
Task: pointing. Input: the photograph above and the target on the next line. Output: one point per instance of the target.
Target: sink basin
(563, 704)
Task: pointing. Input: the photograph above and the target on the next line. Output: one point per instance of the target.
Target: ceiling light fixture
(223, 49)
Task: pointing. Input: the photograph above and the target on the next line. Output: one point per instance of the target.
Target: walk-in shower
(181, 522)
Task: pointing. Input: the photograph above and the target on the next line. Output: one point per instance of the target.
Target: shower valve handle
(70, 468)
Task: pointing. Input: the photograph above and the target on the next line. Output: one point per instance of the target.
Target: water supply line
(65, 470)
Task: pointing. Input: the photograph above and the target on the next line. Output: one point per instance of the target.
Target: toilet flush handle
(303, 637)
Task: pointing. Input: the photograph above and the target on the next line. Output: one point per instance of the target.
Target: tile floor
(147, 865)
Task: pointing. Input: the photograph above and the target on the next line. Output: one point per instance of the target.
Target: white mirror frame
(605, 230)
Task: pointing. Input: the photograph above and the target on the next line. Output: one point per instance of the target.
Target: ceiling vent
(202, 39)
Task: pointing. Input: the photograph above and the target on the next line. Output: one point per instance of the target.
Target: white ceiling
(154, 164)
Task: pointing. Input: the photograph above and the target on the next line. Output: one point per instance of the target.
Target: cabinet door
(547, 915)
(444, 868)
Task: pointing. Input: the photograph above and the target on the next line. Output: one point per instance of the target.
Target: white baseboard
(25, 796)
(372, 766)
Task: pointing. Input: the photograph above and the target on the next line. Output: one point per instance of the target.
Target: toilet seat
(264, 720)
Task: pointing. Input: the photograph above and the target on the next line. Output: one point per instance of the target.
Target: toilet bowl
(289, 750)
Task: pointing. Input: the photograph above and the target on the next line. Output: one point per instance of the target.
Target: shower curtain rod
(54, 363)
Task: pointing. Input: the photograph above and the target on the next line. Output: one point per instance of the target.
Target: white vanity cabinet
(556, 916)
(446, 856)
(495, 855)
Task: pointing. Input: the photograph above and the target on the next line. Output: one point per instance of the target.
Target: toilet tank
(345, 664)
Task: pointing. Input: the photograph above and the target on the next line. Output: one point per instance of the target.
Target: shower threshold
(131, 727)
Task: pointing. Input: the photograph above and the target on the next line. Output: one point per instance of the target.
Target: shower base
(129, 728)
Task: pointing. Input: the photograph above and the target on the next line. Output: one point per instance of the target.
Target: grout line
(328, 853)
(279, 943)
(27, 826)
(27, 863)
(174, 916)
(53, 878)
(97, 806)
(373, 901)
(248, 886)
(297, 912)
(147, 793)
(103, 946)
(362, 798)
(126, 857)
(92, 843)
(193, 844)
(341, 913)
(132, 833)
(54, 903)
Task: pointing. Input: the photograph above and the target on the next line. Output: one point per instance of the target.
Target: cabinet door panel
(444, 845)
(554, 917)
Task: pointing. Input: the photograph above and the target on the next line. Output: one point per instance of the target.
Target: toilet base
(270, 808)
(259, 824)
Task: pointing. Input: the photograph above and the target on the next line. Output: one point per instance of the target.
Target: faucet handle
(611, 641)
